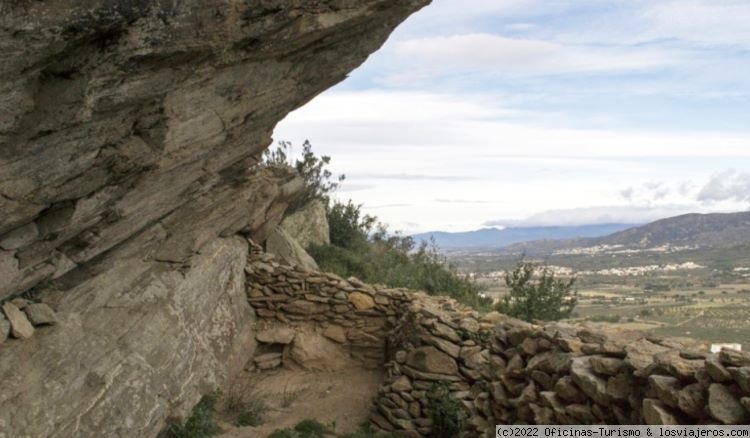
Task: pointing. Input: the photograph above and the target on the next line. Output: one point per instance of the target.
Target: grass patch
(315, 429)
(200, 424)
(242, 407)
(448, 415)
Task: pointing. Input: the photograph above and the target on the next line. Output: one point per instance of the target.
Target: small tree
(311, 168)
(541, 296)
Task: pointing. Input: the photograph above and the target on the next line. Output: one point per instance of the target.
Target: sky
(543, 112)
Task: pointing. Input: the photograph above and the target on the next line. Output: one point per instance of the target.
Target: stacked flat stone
(349, 312)
(503, 370)
(19, 317)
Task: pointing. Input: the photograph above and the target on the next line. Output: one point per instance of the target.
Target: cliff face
(128, 134)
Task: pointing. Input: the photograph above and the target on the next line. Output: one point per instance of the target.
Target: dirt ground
(292, 395)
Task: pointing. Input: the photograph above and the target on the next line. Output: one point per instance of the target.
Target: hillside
(493, 238)
(717, 230)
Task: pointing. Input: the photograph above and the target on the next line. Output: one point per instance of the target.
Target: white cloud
(701, 21)
(528, 56)
(446, 123)
(730, 185)
(521, 26)
(423, 149)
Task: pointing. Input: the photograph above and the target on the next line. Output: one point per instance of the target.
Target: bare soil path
(344, 397)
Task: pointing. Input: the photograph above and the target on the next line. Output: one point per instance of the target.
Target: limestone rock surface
(289, 250)
(129, 136)
(308, 225)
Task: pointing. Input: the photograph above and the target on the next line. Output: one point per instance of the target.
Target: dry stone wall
(503, 370)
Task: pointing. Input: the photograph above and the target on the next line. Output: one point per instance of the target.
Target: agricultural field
(708, 300)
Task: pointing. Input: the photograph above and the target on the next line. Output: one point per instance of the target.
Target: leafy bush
(447, 414)
(541, 296)
(201, 423)
(362, 249)
(304, 429)
(315, 429)
(311, 168)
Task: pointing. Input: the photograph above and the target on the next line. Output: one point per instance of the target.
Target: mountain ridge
(495, 238)
(711, 230)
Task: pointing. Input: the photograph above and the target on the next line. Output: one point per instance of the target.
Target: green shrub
(200, 424)
(310, 167)
(448, 415)
(305, 429)
(361, 249)
(315, 429)
(535, 293)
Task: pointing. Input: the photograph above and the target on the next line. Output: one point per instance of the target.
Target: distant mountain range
(692, 230)
(716, 230)
(495, 238)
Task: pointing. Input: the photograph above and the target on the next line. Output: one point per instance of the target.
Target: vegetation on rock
(363, 247)
(200, 424)
(310, 167)
(536, 293)
(315, 429)
(448, 414)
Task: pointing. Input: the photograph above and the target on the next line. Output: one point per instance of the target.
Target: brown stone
(361, 301)
(742, 377)
(551, 362)
(591, 384)
(279, 335)
(693, 400)
(666, 388)
(734, 358)
(725, 406)
(442, 330)
(431, 360)
(304, 307)
(655, 413)
(608, 366)
(678, 366)
(20, 327)
(567, 390)
(267, 361)
(4, 328)
(620, 387)
(640, 354)
(335, 333)
(401, 384)
(716, 370)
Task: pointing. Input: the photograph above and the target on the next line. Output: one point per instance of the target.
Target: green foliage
(250, 413)
(305, 429)
(200, 424)
(447, 414)
(362, 249)
(349, 228)
(541, 296)
(241, 406)
(481, 337)
(315, 429)
(604, 318)
(311, 168)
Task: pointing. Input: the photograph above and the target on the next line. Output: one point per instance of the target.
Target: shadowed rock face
(119, 115)
(128, 133)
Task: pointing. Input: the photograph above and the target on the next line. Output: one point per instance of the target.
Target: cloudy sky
(544, 112)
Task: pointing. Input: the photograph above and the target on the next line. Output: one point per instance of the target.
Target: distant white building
(715, 348)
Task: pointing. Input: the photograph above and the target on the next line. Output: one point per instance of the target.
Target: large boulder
(431, 360)
(289, 250)
(308, 225)
(125, 342)
(313, 351)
